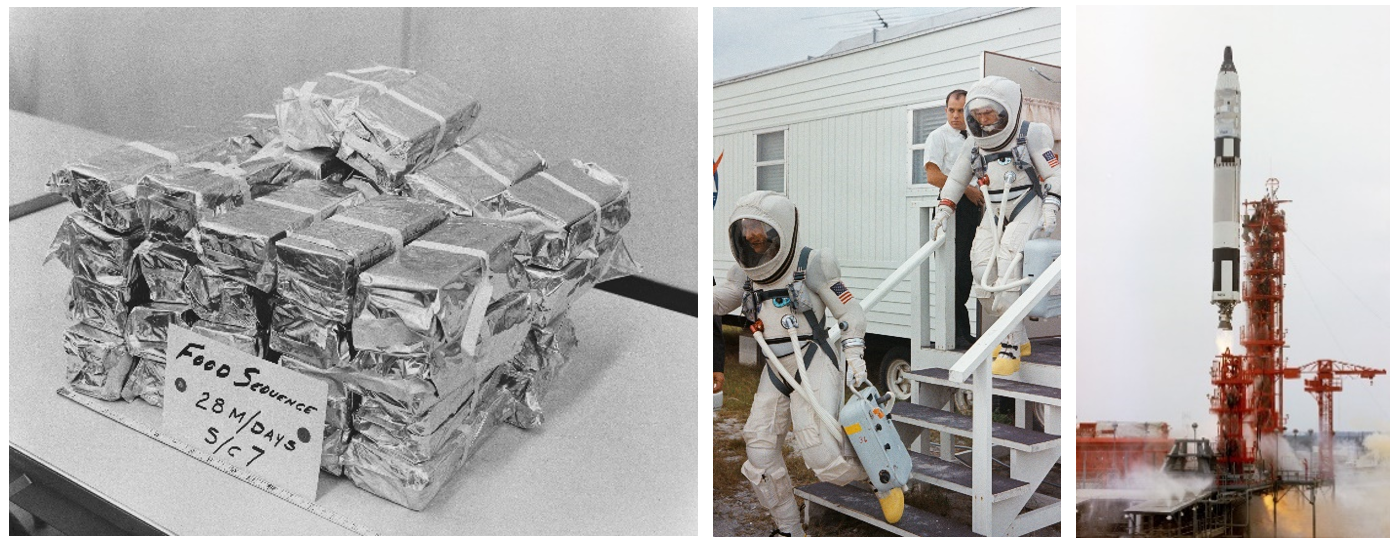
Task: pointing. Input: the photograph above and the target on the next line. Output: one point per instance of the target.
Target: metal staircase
(999, 501)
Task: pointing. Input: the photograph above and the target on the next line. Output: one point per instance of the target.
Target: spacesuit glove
(1050, 216)
(942, 214)
(857, 370)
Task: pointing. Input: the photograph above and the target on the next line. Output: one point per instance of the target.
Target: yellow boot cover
(1006, 361)
(893, 505)
(1026, 349)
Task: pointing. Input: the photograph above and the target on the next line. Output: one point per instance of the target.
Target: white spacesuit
(775, 278)
(1012, 161)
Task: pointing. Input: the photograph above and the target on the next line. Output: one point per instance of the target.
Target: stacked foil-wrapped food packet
(366, 235)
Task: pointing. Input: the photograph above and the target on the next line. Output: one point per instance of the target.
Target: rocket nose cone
(1227, 53)
(1227, 65)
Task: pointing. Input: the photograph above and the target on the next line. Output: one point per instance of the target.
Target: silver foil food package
(308, 337)
(146, 382)
(615, 261)
(339, 408)
(253, 130)
(98, 305)
(96, 253)
(406, 374)
(246, 340)
(474, 172)
(434, 294)
(407, 127)
(562, 222)
(417, 441)
(313, 114)
(407, 415)
(276, 166)
(318, 266)
(406, 483)
(611, 192)
(527, 378)
(407, 385)
(169, 270)
(225, 300)
(173, 201)
(413, 484)
(97, 363)
(505, 243)
(410, 388)
(104, 185)
(555, 291)
(241, 242)
(147, 328)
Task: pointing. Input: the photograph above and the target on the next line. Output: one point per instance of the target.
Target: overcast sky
(746, 40)
(1316, 111)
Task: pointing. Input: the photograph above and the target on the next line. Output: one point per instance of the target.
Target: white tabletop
(617, 455)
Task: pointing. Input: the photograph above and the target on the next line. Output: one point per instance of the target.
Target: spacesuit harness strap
(1022, 159)
(816, 323)
(820, 335)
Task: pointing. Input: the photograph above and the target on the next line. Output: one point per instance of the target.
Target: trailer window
(923, 122)
(770, 161)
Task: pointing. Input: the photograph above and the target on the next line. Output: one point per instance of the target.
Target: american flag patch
(1051, 159)
(842, 292)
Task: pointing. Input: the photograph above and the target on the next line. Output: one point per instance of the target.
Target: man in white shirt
(942, 148)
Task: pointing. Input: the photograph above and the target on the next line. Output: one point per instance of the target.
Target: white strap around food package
(451, 248)
(374, 84)
(440, 120)
(168, 156)
(483, 293)
(470, 339)
(318, 241)
(378, 68)
(479, 163)
(389, 231)
(304, 93)
(288, 206)
(572, 190)
(423, 182)
(221, 169)
(598, 174)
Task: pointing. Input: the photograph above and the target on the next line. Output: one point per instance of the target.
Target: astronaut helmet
(764, 233)
(993, 112)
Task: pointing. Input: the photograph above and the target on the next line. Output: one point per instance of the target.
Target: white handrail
(978, 353)
(907, 266)
(902, 272)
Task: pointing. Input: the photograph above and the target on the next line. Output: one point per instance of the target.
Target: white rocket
(1225, 250)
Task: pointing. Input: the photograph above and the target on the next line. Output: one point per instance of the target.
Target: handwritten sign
(253, 414)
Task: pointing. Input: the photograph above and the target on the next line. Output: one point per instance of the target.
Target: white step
(957, 424)
(862, 505)
(960, 478)
(1001, 386)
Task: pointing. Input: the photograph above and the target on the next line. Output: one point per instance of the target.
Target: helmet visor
(753, 242)
(985, 117)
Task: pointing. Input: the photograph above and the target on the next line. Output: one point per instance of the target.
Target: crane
(1326, 378)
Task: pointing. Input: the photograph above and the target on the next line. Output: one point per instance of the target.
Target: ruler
(217, 463)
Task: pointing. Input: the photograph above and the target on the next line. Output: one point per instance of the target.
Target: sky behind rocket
(1315, 114)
